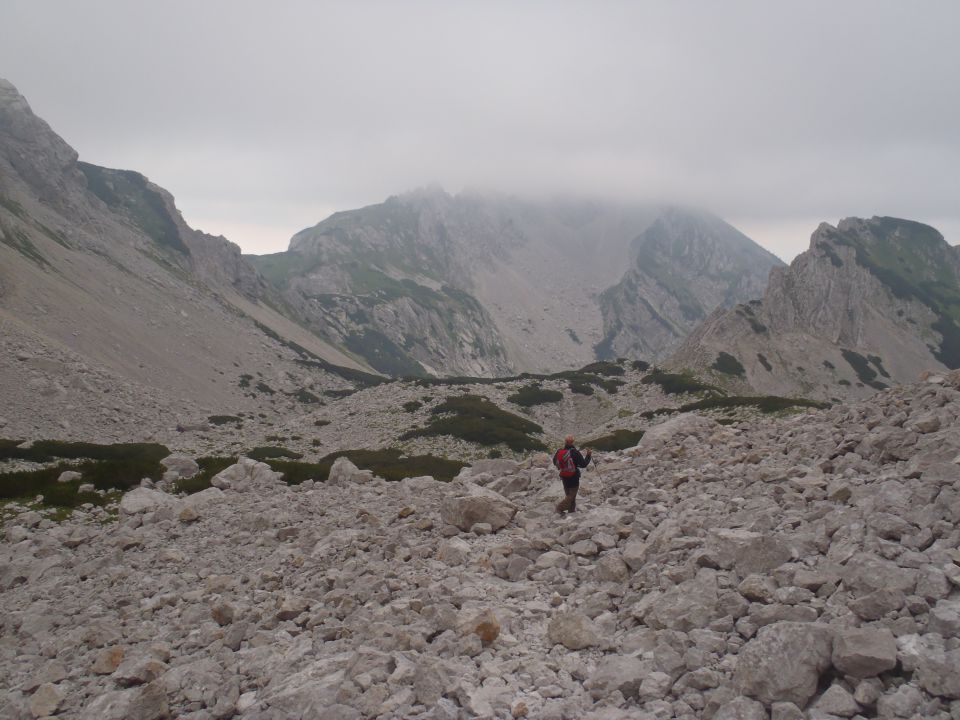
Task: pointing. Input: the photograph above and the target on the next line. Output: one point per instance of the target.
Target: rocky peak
(31, 149)
(871, 302)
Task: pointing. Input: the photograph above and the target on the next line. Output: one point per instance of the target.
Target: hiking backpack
(564, 461)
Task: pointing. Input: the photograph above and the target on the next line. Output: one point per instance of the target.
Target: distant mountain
(484, 284)
(685, 265)
(872, 303)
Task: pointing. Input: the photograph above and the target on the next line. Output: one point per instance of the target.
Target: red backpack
(564, 461)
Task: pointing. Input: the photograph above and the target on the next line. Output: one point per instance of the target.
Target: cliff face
(685, 265)
(871, 303)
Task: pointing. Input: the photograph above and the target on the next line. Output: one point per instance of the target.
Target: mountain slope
(101, 277)
(685, 265)
(871, 303)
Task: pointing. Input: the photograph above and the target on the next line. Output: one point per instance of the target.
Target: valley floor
(806, 565)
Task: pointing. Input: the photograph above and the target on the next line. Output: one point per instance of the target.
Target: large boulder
(468, 504)
(938, 673)
(344, 472)
(691, 604)
(144, 500)
(246, 475)
(618, 672)
(783, 662)
(747, 551)
(182, 465)
(674, 431)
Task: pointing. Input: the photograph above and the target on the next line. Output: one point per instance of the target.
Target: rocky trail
(800, 566)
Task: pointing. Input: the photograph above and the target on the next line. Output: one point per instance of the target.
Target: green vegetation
(861, 366)
(617, 440)
(106, 467)
(321, 423)
(677, 383)
(383, 354)
(389, 464)
(728, 365)
(533, 394)
(339, 394)
(829, 365)
(245, 380)
(18, 240)
(130, 194)
(305, 396)
(605, 368)
(412, 406)
(264, 388)
(763, 403)
(475, 419)
(574, 337)
(224, 419)
(13, 206)
(766, 363)
(209, 466)
(640, 365)
(579, 381)
(268, 452)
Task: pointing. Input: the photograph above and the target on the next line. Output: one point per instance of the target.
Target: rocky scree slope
(872, 303)
(805, 567)
(686, 265)
(484, 284)
(99, 275)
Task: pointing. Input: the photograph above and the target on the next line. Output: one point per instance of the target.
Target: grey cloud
(762, 111)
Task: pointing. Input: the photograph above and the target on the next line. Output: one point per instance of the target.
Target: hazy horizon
(263, 120)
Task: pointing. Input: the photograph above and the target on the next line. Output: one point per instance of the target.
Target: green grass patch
(677, 383)
(264, 388)
(640, 365)
(338, 394)
(119, 466)
(728, 365)
(412, 406)
(21, 242)
(224, 419)
(269, 452)
(533, 394)
(321, 423)
(766, 363)
(861, 366)
(305, 396)
(475, 419)
(388, 464)
(617, 440)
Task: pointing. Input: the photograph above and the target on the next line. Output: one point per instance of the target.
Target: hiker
(568, 461)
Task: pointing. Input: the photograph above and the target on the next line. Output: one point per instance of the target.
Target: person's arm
(581, 460)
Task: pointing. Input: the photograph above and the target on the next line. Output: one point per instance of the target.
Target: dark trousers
(570, 488)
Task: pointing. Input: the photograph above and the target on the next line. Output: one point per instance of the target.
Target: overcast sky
(264, 117)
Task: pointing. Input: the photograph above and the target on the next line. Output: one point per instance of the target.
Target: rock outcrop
(871, 304)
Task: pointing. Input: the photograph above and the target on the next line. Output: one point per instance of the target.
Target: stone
(144, 500)
(877, 604)
(467, 504)
(944, 619)
(107, 660)
(741, 708)
(46, 700)
(864, 652)
(611, 568)
(69, 476)
(181, 465)
(292, 607)
(618, 673)
(785, 711)
(783, 663)
(837, 701)
(904, 702)
(573, 630)
(483, 624)
(148, 702)
(453, 551)
(137, 671)
(747, 551)
(188, 514)
(938, 673)
(757, 588)
(344, 472)
(635, 553)
(222, 613)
